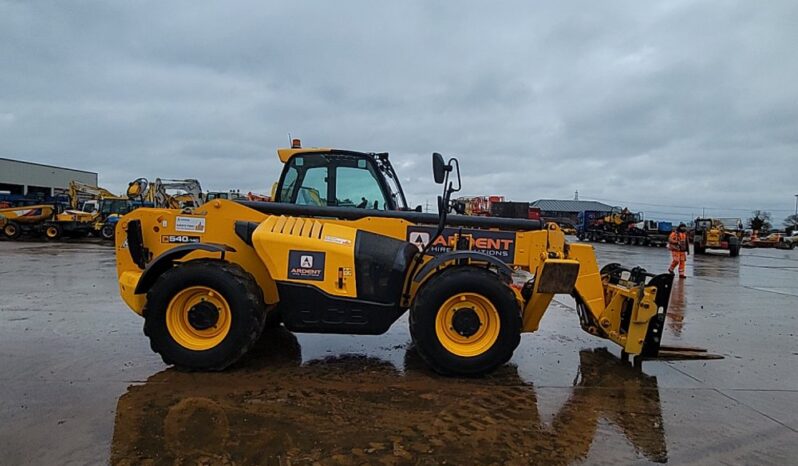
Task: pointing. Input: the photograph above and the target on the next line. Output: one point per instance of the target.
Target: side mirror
(438, 168)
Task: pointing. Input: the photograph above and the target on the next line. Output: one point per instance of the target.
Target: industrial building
(29, 178)
(565, 211)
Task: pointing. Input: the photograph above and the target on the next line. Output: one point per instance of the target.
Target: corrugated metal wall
(16, 172)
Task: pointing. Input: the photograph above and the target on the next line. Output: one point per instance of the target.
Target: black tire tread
(17, 233)
(424, 294)
(253, 295)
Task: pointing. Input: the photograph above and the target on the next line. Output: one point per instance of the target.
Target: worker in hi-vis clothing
(677, 243)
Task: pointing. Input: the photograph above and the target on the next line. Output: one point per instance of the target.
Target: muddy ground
(79, 384)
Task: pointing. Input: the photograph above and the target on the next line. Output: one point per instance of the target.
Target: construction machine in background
(175, 194)
(621, 226)
(258, 197)
(495, 206)
(21, 219)
(773, 240)
(105, 207)
(340, 251)
(58, 218)
(232, 195)
(718, 233)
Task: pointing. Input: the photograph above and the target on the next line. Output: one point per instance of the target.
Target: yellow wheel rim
(182, 315)
(52, 232)
(457, 330)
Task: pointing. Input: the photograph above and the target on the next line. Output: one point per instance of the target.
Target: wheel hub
(203, 315)
(465, 322)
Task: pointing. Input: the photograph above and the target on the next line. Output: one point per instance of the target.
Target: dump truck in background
(17, 220)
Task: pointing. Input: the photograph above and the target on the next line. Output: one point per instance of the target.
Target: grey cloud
(679, 103)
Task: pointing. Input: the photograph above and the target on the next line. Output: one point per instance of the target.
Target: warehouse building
(565, 211)
(31, 179)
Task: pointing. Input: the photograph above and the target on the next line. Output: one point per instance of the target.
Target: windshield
(731, 223)
(115, 206)
(358, 187)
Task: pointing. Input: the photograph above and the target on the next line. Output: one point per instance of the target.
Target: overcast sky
(664, 106)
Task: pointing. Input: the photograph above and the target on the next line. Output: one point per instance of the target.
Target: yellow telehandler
(339, 251)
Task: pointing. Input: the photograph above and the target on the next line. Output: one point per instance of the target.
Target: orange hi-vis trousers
(679, 258)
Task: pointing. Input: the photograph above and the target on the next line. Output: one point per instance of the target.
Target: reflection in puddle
(676, 308)
(716, 266)
(355, 410)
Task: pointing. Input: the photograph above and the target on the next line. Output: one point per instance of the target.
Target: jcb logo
(179, 239)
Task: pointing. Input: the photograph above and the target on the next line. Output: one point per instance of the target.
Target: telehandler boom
(339, 251)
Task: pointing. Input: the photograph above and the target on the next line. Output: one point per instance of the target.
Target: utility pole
(796, 204)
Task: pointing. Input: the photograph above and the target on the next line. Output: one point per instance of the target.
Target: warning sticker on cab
(190, 224)
(499, 244)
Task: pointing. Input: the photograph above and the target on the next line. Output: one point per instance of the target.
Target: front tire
(12, 230)
(204, 315)
(465, 321)
(107, 231)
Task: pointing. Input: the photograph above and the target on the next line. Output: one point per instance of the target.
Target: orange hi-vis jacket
(677, 241)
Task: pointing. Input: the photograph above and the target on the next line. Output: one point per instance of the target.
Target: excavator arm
(190, 192)
(76, 188)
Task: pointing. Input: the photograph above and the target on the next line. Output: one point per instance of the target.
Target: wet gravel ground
(79, 384)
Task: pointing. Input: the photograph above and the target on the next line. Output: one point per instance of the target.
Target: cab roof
(285, 153)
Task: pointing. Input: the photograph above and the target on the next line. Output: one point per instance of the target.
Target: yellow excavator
(167, 193)
(340, 251)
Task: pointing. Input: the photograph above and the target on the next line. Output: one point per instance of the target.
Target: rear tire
(484, 335)
(186, 331)
(12, 230)
(699, 249)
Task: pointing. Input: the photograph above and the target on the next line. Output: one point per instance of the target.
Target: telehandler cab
(339, 251)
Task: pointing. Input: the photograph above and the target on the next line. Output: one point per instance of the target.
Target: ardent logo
(419, 239)
(499, 244)
(306, 265)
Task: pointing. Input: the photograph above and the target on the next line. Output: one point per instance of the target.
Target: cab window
(288, 184)
(357, 186)
(305, 181)
(313, 190)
